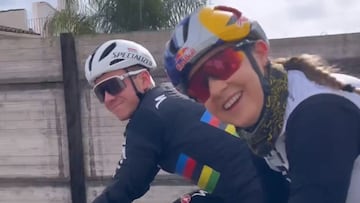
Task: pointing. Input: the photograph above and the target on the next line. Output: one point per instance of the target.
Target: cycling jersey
(319, 147)
(166, 132)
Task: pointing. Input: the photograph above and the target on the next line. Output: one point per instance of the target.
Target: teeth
(232, 101)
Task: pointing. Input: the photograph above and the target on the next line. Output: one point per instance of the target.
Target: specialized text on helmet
(129, 55)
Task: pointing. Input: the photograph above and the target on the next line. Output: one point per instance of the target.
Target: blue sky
(279, 18)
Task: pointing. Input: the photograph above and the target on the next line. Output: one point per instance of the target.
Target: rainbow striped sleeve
(185, 166)
(207, 179)
(213, 121)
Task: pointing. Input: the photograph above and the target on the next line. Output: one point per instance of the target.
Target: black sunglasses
(113, 85)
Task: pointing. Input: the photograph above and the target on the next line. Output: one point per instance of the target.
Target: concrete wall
(33, 142)
(34, 159)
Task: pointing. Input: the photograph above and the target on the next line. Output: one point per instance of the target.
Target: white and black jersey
(320, 142)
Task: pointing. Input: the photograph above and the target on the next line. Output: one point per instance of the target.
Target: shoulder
(321, 120)
(161, 106)
(167, 102)
(323, 108)
(303, 91)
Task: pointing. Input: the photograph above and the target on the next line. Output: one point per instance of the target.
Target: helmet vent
(90, 62)
(232, 20)
(107, 50)
(115, 61)
(172, 47)
(185, 30)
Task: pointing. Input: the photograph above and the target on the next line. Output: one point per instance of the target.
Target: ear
(144, 81)
(261, 49)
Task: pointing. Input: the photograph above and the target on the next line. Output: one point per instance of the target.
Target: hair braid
(316, 70)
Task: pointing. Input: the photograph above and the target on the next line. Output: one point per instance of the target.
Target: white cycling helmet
(114, 55)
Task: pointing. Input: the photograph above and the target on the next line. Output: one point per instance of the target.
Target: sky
(295, 18)
(23, 4)
(279, 18)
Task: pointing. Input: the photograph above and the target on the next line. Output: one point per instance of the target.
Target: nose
(108, 97)
(216, 87)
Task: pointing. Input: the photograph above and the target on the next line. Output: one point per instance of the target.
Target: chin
(120, 116)
(228, 120)
(238, 122)
(245, 119)
(123, 118)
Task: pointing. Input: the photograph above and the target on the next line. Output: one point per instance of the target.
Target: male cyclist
(170, 132)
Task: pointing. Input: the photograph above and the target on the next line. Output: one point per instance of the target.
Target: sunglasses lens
(223, 65)
(198, 87)
(100, 94)
(220, 66)
(112, 86)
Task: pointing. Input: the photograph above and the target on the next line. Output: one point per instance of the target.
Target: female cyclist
(295, 112)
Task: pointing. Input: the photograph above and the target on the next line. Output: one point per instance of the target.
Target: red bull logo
(184, 56)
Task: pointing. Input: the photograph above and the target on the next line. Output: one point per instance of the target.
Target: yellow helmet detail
(224, 24)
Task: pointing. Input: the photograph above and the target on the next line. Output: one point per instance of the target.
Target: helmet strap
(262, 77)
(264, 82)
(138, 93)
